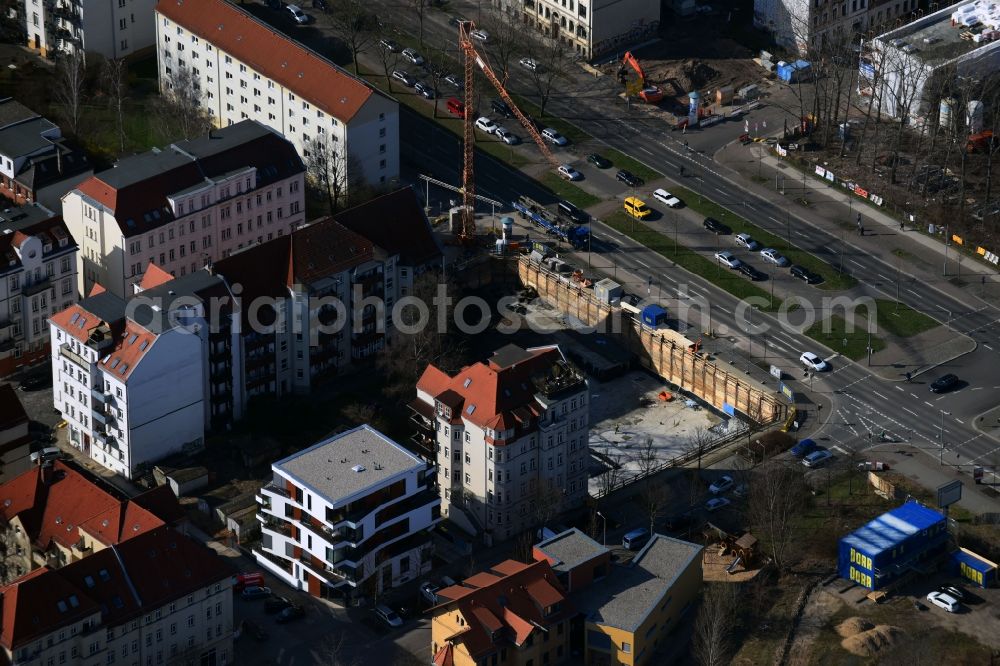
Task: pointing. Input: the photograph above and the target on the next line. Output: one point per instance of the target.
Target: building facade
(214, 48)
(15, 440)
(112, 28)
(510, 437)
(348, 516)
(182, 207)
(592, 28)
(37, 278)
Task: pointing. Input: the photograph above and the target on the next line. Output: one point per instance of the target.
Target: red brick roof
(445, 656)
(327, 247)
(396, 223)
(130, 347)
(154, 277)
(271, 53)
(33, 604)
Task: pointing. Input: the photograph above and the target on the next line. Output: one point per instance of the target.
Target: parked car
(486, 125)
(454, 21)
(452, 80)
(817, 458)
(413, 56)
(944, 383)
(569, 173)
(566, 209)
(746, 241)
(276, 605)
(803, 273)
(599, 161)
(404, 78)
(637, 207)
(628, 178)
(554, 137)
(728, 259)
(751, 272)
(528, 63)
(716, 503)
(291, 614)
(945, 601)
(481, 35)
(252, 628)
(390, 45)
(429, 592)
(667, 198)
(501, 107)
(772, 256)
(507, 136)
(255, 592)
(813, 362)
(724, 483)
(321, 4)
(952, 591)
(426, 90)
(241, 581)
(35, 382)
(635, 539)
(716, 227)
(297, 14)
(388, 616)
(803, 448)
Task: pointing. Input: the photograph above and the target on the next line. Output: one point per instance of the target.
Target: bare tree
(507, 38)
(552, 62)
(655, 498)
(646, 457)
(326, 167)
(331, 652)
(775, 499)
(182, 112)
(68, 91)
(356, 25)
(115, 76)
(523, 546)
(714, 639)
(388, 60)
(419, 8)
(548, 503)
(611, 476)
(437, 60)
(697, 445)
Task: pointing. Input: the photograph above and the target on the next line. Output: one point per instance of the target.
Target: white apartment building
(348, 516)
(508, 435)
(37, 278)
(592, 28)
(182, 207)
(158, 598)
(113, 28)
(138, 381)
(245, 69)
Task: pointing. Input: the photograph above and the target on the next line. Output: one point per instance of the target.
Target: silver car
(404, 78)
(772, 256)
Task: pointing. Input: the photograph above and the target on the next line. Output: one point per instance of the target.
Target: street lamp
(941, 436)
(604, 538)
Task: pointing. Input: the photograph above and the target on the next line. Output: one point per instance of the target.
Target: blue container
(975, 569)
(653, 315)
(785, 72)
(891, 545)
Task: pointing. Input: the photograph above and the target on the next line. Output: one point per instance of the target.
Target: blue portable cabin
(974, 568)
(801, 70)
(653, 315)
(784, 71)
(896, 542)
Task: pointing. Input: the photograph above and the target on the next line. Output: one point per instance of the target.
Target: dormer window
(47, 247)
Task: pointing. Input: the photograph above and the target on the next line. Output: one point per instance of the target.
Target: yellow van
(637, 208)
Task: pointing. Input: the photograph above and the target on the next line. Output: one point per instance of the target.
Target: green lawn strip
(901, 320)
(564, 127)
(832, 332)
(622, 161)
(689, 260)
(831, 279)
(568, 191)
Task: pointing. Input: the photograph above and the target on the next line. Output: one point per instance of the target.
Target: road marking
(910, 411)
(837, 448)
(640, 261)
(883, 277)
(647, 151)
(928, 404)
(880, 395)
(774, 218)
(960, 421)
(855, 263)
(898, 388)
(915, 396)
(988, 347)
(914, 293)
(718, 190)
(978, 388)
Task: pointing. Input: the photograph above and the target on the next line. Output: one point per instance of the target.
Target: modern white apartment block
(244, 69)
(138, 381)
(508, 435)
(112, 28)
(348, 516)
(37, 278)
(591, 28)
(182, 207)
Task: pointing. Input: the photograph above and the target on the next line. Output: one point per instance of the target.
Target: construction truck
(648, 92)
(982, 142)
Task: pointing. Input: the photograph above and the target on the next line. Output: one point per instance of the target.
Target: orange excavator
(649, 93)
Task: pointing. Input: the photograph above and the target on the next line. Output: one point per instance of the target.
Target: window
(626, 647)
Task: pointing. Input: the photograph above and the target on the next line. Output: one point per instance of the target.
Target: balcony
(277, 490)
(68, 353)
(275, 525)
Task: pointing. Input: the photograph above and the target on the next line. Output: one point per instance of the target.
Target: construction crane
(474, 59)
(648, 93)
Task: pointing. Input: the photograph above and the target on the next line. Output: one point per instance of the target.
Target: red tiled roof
(326, 247)
(544, 594)
(96, 289)
(481, 579)
(487, 619)
(396, 223)
(129, 349)
(154, 277)
(521, 627)
(35, 602)
(271, 53)
(162, 503)
(79, 327)
(445, 656)
(433, 381)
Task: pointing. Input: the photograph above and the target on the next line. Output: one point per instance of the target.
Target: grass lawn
(688, 260)
(564, 189)
(622, 161)
(857, 340)
(564, 127)
(901, 320)
(831, 279)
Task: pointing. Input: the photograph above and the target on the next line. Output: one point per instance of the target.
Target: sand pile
(852, 626)
(869, 643)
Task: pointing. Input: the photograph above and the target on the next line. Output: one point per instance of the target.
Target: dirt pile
(868, 643)
(682, 77)
(853, 626)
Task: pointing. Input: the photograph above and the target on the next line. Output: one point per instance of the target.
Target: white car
(413, 56)
(388, 616)
(529, 63)
(716, 503)
(485, 124)
(747, 241)
(404, 78)
(481, 35)
(298, 15)
(569, 173)
(772, 256)
(817, 458)
(722, 485)
(945, 601)
(554, 137)
(507, 136)
(667, 198)
(813, 362)
(727, 259)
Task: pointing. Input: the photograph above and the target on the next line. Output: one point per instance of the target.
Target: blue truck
(574, 234)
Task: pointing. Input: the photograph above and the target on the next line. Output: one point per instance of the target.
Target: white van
(667, 198)
(46, 455)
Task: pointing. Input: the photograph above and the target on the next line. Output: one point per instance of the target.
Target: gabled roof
(154, 277)
(36, 603)
(32, 220)
(268, 51)
(326, 247)
(396, 223)
(130, 348)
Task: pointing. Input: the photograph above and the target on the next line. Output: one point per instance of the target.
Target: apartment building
(509, 436)
(515, 614)
(243, 69)
(15, 440)
(158, 598)
(112, 28)
(348, 516)
(137, 381)
(577, 559)
(181, 207)
(37, 278)
(591, 28)
(36, 164)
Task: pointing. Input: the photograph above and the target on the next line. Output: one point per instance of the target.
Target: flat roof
(934, 38)
(570, 549)
(626, 597)
(348, 463)
(893, 527)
